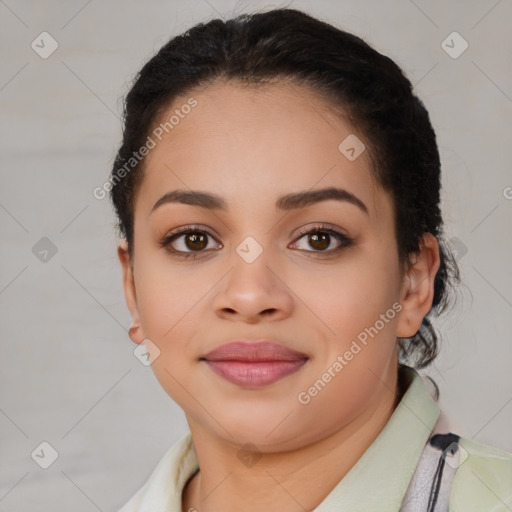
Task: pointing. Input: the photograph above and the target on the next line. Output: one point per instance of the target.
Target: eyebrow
(287, 202)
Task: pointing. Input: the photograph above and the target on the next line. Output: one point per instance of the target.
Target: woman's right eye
(186, 242)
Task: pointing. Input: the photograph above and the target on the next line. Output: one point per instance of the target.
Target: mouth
(252, 365)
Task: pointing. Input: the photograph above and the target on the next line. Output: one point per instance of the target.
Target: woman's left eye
(320, 238)
(191, 242)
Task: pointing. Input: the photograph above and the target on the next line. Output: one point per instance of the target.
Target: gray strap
(430, 486)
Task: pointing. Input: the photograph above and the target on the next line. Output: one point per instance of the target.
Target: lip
(254, 364)
(253, 351)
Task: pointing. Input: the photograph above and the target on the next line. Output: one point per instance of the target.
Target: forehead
(265, 140)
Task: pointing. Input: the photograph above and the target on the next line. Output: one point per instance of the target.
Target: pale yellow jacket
(415, 464)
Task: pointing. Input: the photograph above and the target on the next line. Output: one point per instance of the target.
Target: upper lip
(262, 350)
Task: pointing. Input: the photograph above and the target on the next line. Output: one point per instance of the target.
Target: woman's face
(253, 274)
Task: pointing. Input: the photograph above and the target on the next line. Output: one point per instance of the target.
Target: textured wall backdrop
(68, 373)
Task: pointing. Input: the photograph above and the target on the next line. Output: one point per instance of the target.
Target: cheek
(170, 313)
(168, 296)
(348, 297)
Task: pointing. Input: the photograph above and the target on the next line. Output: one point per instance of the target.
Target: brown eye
(319, 241)
(195, 241)
(321, 238)
(187, 242)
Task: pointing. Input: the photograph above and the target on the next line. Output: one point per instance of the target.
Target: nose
(253, 290)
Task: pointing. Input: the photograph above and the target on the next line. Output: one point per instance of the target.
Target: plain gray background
(68, 373)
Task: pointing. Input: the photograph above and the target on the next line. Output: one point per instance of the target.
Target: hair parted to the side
(368, 88)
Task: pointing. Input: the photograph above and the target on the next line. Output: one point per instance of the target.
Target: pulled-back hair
(363, 85)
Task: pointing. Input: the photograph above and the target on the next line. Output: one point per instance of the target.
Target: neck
(294, 480)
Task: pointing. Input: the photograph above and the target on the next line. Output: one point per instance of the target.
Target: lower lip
(254, 374)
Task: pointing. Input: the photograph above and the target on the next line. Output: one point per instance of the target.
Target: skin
(250, 146)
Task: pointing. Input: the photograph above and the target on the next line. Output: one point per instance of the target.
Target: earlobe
(418, 287)
(135, 331)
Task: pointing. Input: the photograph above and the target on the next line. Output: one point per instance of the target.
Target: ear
(130, 296)
(417, 291)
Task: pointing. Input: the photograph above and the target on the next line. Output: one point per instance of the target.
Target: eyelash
(340, 237)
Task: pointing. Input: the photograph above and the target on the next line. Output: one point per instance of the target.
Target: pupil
(323, 238)
(196, 240)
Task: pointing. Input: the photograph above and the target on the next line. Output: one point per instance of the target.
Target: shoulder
(162, 490)
(482, 480)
